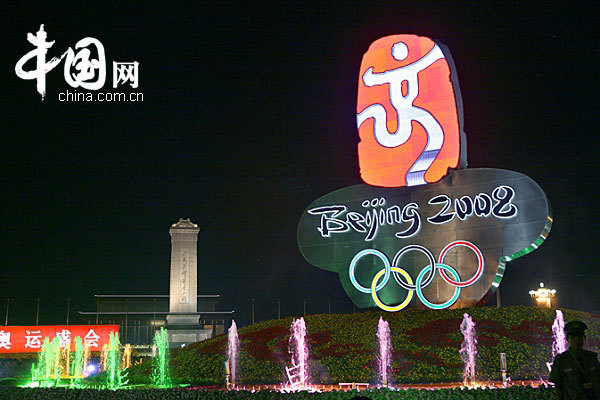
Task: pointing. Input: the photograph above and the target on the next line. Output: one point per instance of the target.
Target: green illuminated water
(55, 363)
(161, 376)
(114, 374)
(77, 369)
(46, 372)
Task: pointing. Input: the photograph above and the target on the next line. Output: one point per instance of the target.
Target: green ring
(427, 302)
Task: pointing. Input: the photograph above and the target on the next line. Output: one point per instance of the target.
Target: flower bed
(425, 347)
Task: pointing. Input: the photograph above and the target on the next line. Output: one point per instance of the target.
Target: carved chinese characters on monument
(184, 268)
(183, 277)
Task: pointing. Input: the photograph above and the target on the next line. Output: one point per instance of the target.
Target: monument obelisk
(183, 317)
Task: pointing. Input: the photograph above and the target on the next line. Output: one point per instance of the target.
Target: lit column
(543, 296)
(184, 279)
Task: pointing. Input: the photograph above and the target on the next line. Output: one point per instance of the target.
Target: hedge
(343, 347)
(513, 393)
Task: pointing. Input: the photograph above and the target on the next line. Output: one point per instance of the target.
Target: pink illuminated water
(298, 376)
(559, 343)
(233, 349)
(468, 349)
(384, 357)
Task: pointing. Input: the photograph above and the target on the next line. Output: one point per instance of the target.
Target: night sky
(248, 116)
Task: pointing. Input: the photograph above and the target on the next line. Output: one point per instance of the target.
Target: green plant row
(513, 393)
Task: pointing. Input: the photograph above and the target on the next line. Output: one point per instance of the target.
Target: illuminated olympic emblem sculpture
(418, 193)
(422, 280)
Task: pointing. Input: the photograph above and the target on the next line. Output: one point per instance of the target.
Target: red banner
(29, 339)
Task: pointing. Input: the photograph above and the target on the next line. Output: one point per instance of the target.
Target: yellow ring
(374, 292)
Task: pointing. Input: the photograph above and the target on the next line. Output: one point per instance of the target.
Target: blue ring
(386, 264)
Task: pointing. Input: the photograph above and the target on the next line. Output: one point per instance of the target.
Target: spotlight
(91, 368)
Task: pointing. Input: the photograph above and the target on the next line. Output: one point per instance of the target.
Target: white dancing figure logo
(407, 112)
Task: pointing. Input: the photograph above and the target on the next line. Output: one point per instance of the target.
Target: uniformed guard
(576, 372)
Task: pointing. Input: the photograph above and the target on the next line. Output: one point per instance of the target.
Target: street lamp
(543, 296)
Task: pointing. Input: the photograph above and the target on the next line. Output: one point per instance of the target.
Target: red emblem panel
(408, 113)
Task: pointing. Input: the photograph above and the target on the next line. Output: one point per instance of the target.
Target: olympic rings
(400, 306)
(422, 297)
(480, 263)
(358, 256)
(424, 278)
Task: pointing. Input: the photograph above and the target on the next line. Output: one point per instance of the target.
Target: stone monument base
(185, 329)
(183, 337)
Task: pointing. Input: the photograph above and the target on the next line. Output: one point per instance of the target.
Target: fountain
(55, 363)
(78, 366)
(559, 343)
(65, 358)
(86, 360)
(468, 349)
(103, 357)
(114, 373)
(46, 372)
(126, 360)
(384, 358)
(160, 364)
(233, 346)
(298, 377)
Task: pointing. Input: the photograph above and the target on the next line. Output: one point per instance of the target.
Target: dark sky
(248, 116)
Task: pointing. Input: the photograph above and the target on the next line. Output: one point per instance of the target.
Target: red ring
(480, 261)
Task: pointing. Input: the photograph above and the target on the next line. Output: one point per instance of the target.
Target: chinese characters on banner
(28, 339)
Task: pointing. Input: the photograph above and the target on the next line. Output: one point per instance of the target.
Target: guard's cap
(575, 328)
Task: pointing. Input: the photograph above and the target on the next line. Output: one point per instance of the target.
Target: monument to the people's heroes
(183, 318)
(188, 316)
